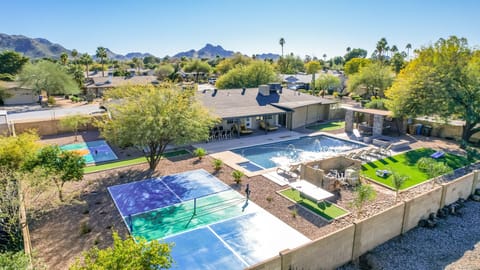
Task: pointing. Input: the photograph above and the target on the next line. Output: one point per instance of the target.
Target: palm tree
(74, 54)
(394, 49)
(282, 42)
(381, 47)
(363, 194)
(102, 54)
(348, 49)
(408, 47)
(324, 57)
(86, 60)
(397, 182)
(64, 58)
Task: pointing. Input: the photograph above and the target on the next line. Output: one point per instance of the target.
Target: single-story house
(97, 85)
(269, 103)
(19, 94)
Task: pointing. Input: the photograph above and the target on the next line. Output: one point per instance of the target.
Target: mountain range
(42, 48)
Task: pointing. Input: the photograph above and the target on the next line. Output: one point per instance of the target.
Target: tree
(443, 81)
(290, 64)
(73, 122)
(127, 254)
(397, 62)
(11, 62)
(102, 54)
(74, 55)
(138, 62)
(77, 74)
(59, 165)
(86, 60)
(197, 66)
(397, 181)
(164, 71)
(229, 63)
(408, 47)
(151, 118)
(371, 80)
(363, 194)
(282, 42)
(3, 93)
(11, 236)
(327, 82)
(355, 53)
(64, 58)
(313, 67)
(14, 260)
(15, 151)
(49, 77)
(353, 65)
(381, 48)
(253, 75)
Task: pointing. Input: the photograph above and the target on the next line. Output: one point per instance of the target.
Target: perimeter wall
(336, 249)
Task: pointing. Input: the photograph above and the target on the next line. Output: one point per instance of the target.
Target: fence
(340, 247)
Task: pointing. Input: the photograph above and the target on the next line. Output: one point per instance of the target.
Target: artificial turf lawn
(129, 162)
(325, 209)
(405, 164)
(334, 125)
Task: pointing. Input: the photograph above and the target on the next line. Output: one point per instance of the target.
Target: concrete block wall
(336, 249)
(420, 207)
(47, 127)
(328, 252)
(377, 229)
(459, 188)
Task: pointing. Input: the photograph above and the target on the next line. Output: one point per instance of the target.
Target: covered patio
(370, 122)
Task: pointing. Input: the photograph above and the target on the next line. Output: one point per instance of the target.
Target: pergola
(376, 126)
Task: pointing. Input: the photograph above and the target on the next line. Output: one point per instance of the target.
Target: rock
(422, 223)
(475, 197)
(442, 213)
(431, 223)
(477, 191)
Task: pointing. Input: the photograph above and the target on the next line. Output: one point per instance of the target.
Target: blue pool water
(302, 149)
(250, 166)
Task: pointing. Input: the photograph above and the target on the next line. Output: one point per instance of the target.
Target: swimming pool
(302, 149)
(92, 152)
(224, 232)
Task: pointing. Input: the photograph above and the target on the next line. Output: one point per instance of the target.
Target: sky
(309, 27)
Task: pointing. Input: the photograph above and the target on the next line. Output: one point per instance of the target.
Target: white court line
(228, 247)
(170, 190)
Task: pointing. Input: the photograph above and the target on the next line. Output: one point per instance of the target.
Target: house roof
(109, 82)
(232, 103)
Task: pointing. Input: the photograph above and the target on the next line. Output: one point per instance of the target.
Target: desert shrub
(217, 164)
(237, 176)
(51, 100)
(200, 153)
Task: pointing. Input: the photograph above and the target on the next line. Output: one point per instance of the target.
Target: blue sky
(310, 27)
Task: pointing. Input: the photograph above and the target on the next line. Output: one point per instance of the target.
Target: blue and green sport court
(93, 152)
(212, 225)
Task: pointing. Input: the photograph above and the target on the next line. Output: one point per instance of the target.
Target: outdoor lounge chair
(243, 130)
(437, 154)
(292, 170)
(357, 135)
(266, 126)
(382, 173)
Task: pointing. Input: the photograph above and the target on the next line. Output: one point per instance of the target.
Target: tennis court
(92, 152)
(212, 225)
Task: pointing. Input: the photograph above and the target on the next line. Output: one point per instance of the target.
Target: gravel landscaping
(453, 244)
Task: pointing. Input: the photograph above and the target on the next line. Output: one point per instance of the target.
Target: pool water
(92, 152)
(250, 166)
(302, 149)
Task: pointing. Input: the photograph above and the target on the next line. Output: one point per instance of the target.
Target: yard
(326, 209)
(405, 164)
(334, 125)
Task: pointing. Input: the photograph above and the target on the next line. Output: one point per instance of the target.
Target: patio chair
(386, 151)
(266, 126)
(243, 130)
(292, 170)
(357, 135)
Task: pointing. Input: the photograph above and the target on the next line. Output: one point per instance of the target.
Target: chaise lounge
(267, 126)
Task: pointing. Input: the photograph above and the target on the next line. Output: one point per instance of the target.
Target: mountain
(209, 51)
(39, 48)
(31, 47)
(264, 56)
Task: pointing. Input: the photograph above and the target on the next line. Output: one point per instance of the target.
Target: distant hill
(264, 56)
(31, 47)
(209, 51)
(39, 48)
